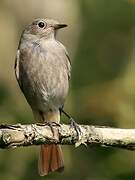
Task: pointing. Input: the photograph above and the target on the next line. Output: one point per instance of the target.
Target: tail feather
(50, 159)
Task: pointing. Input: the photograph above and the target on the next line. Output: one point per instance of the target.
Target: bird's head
(43, 28)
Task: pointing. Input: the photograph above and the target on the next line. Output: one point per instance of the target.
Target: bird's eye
(41, 24)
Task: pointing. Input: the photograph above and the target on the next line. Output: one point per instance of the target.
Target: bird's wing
(16, 68)
(68, 63)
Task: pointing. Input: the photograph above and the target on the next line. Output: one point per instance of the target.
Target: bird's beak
(59, 26)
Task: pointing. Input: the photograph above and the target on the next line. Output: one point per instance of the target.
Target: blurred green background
(100, 39)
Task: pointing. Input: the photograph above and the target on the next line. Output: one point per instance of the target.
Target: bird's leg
(73, 123)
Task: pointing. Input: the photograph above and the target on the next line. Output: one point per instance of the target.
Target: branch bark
(36, 134)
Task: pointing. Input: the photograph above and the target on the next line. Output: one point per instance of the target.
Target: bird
(43, 70)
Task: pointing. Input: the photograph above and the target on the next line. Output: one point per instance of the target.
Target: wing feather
(16, 68)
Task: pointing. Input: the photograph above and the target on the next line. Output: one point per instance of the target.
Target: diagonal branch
(36, 134)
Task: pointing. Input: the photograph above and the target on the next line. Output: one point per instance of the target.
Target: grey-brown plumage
(42, 69)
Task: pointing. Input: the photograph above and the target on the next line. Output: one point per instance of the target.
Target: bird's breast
(44, 75)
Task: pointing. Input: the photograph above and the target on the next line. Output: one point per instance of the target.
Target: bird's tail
(50, 156)
(50, 159)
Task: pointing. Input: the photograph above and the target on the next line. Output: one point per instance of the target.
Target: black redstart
(42, 69)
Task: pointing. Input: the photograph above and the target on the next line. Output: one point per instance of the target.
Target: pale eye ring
(41, 24)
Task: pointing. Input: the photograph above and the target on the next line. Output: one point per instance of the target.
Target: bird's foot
(73, 124)
(76, 127)
(50, 124)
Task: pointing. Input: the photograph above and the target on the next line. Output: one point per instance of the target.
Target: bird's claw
(55, 124)
(50, 124)
(76, 127)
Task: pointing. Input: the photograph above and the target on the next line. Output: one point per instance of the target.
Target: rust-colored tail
(50, 159)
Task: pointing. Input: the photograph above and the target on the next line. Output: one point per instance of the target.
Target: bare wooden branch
(36, 134)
